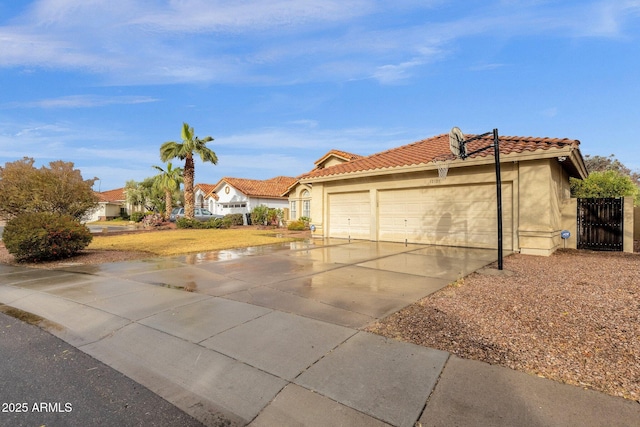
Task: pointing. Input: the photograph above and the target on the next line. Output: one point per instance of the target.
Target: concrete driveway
(263, 335)
(272, 336)
(344, 283)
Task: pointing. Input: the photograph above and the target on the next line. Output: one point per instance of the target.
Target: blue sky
(278, 83)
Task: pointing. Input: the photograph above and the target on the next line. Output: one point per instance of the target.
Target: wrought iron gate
(600, 224)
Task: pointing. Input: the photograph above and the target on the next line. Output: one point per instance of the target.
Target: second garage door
(451, 216)
(350, 215)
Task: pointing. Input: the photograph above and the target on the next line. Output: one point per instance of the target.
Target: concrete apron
(267, 336)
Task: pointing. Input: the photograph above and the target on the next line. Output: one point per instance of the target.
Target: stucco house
(112, 204)
(299, 194)
(240, 195)
(397, 195)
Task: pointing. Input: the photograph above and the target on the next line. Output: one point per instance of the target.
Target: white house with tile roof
(241, 195)
(112, 204)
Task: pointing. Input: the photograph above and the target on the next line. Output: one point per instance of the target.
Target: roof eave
(568, 151)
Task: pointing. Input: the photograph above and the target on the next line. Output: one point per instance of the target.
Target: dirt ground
(573, 317)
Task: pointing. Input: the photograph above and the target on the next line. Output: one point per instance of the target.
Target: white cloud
(280, 41)
(223, 16)
(81, 101)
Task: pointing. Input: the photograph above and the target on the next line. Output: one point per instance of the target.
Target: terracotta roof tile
(206, 188)
(272, 188)
(109, 196)
(425, 151)
(338, 153)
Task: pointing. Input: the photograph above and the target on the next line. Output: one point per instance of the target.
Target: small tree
(58, 189)
(169, 181)
(145, 194)
(609, 183)
(601, 164)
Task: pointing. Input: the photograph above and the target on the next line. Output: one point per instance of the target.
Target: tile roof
(338, 153)
(271, 188)
(207, 189)
(437, 147)
(111, 196)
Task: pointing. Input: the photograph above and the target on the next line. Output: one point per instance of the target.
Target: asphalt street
(45, 381)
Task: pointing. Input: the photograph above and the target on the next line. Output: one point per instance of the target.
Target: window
(294, 214)
(306, 208)
(306, 204)
(234, 205)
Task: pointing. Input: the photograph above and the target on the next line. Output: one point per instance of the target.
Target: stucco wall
(297, 196)
(570, 223)
(541, 202)
(628, 226)
(458, 177)
(544, 211)
(636, 223)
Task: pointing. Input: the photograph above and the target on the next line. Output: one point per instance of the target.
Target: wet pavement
(47, 382)
(271, 335)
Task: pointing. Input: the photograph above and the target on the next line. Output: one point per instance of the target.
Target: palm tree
(184, 151)
(168, 181)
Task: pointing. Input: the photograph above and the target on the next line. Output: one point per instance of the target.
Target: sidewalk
(273, 339)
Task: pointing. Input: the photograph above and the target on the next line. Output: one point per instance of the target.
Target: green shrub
(297, 225)
(44, 236)
(274, 216)
(236, 219)
(259, 215)
(187, 223)
(263, 215)
(136, 216)
(211, 223)
(305, 219)
(227, 222)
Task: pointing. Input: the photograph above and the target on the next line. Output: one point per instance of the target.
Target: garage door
(350, 215)
(450, 216)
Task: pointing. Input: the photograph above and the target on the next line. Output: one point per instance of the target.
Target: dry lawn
(573, 317)
(123, 246)
(183, 241)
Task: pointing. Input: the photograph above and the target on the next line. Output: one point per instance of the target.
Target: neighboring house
(397, 195)
(205, 196)
(112, 204)
(239, 195)
(299, 195)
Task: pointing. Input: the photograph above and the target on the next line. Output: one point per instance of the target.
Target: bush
(211, 223)
(305, 219)
(136, 216)
(263, 215)
(297, 225)
(259, 215)
(44, 236)
(235, 219)
(152, 220)
(187, 223)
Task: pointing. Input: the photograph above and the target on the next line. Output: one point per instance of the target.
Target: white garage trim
(451, 216)
(350, 215)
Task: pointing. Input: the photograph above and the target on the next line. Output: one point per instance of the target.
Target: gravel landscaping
(573, 317)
